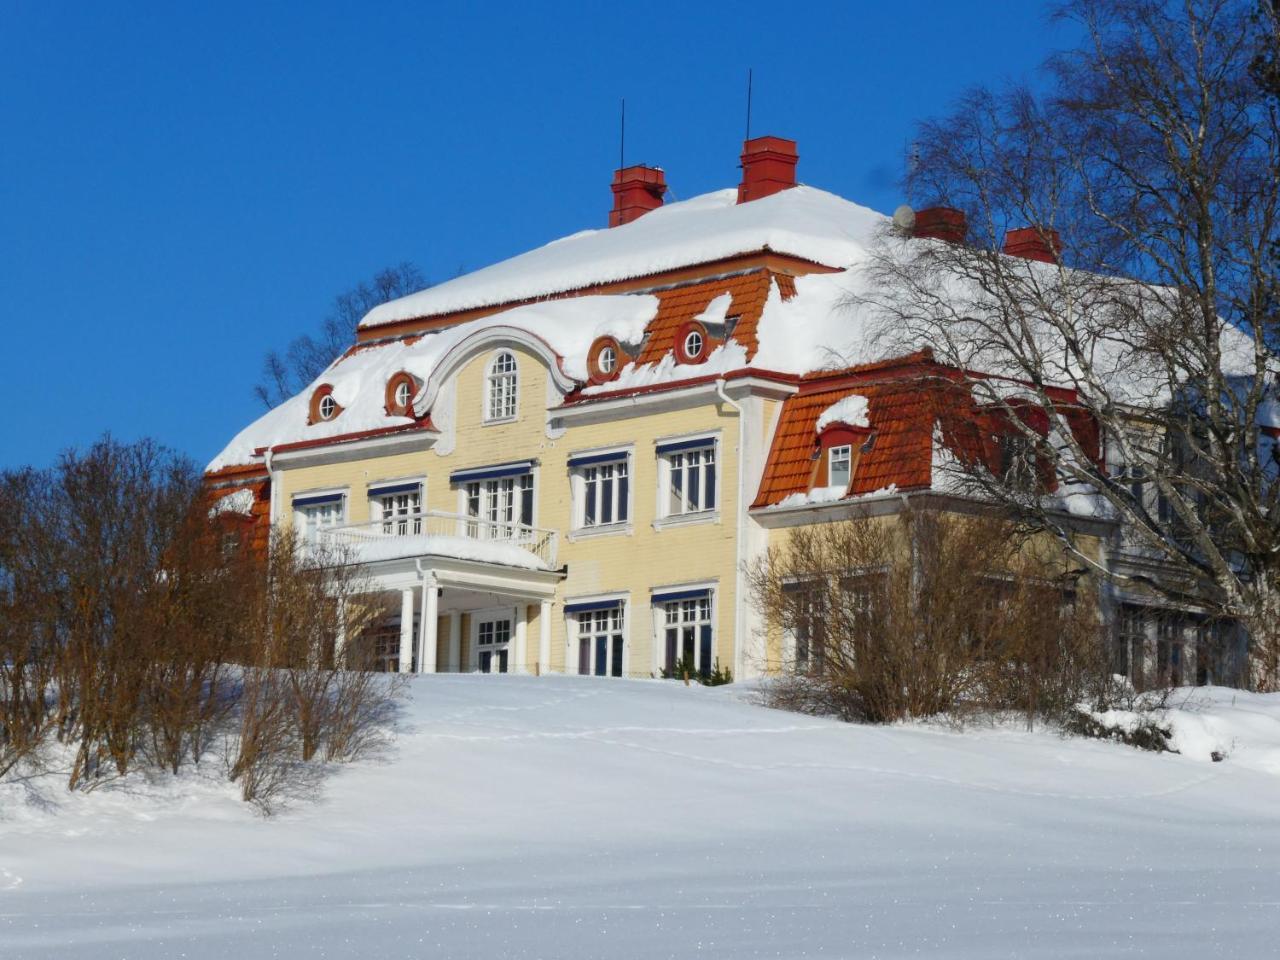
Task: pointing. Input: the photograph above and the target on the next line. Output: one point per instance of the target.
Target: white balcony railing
(447, 534)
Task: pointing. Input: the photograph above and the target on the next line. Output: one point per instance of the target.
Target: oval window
(327, 408)
(608, 360)
(693, 344)
(402, 395)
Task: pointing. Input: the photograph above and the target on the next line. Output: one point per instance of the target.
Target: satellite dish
(904, 218)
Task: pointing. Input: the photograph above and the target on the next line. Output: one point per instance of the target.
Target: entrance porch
(471, 594)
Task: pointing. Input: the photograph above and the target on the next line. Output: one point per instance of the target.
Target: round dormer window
(693, 344)
(323, 405)
(604, 360)
(399, 394)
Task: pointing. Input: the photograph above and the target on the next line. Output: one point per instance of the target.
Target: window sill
(687, 519)
(499, 421)
(602, 530)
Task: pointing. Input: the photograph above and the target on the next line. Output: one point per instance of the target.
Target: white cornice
(590, 410)
(342, 451)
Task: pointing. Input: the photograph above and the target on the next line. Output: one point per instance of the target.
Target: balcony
(436, 533)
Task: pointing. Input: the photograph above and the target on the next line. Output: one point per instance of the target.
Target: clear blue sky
(182, 189)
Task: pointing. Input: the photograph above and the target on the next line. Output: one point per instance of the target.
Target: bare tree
(1148, 181)
(285, 374)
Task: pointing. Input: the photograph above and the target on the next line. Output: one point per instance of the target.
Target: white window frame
(666, 467)
(616, 624)
(407, 388)
(378, 509)
(501, 387)
(302, 515)
(478, 617)
(582, 477)
(327, 408)
(691, 336)
(847, 451)
(491, 508)
(607, 359)
(662, 622)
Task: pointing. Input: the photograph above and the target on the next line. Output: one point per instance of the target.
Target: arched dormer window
(501, 385)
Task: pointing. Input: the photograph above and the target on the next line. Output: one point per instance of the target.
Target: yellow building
(565, 461)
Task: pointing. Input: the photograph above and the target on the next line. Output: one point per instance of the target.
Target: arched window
(500, 387)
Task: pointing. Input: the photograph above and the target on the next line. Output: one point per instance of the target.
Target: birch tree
(1146, 174)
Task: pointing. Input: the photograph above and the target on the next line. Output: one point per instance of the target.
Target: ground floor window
(384, 645)
(1154, 646)
(688, 635)
(806, 613)
(493, 643)
(601, 641)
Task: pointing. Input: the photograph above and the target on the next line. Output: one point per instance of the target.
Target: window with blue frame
(688, 631)
(601, 489)
(688, 477)
(601, 637)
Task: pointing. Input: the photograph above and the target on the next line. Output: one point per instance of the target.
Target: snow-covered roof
(850, 410)
(360, 376)
(803, 222)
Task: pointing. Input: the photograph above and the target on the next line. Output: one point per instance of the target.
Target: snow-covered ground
(566, 817)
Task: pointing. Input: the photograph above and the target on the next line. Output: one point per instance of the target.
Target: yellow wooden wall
(631, 562)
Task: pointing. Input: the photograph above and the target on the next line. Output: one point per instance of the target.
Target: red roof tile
(675, 306)
(908, 399)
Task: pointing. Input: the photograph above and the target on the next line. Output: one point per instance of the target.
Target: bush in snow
(134, 635)
(926, 614)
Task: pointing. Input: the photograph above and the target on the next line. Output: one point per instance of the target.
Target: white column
(522, 629)
(455, 642)
(406, 630)
(427, 627)
(544, 637)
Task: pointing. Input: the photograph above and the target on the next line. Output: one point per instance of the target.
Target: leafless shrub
(927, 614)
(135, 633)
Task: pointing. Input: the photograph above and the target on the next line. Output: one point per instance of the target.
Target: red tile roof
(685, 302)
(908, 400)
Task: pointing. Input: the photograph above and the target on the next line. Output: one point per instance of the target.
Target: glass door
(493, 644)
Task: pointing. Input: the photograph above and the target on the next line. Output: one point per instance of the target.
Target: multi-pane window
(605, 493)
(839, 466)
(806, 602)
(501, 387)
(506, 502)
(400, 513)
(493, 641)
(690, 480)
(1131, 644)
(313, 517)
(1169, 650)
(689, 635)
(601, 641)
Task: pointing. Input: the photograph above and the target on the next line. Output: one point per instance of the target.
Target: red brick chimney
(768, 165)
(941, 223)
(1034, 243)
(636, 190)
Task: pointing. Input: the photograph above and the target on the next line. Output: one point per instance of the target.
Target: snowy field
(573, 817)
